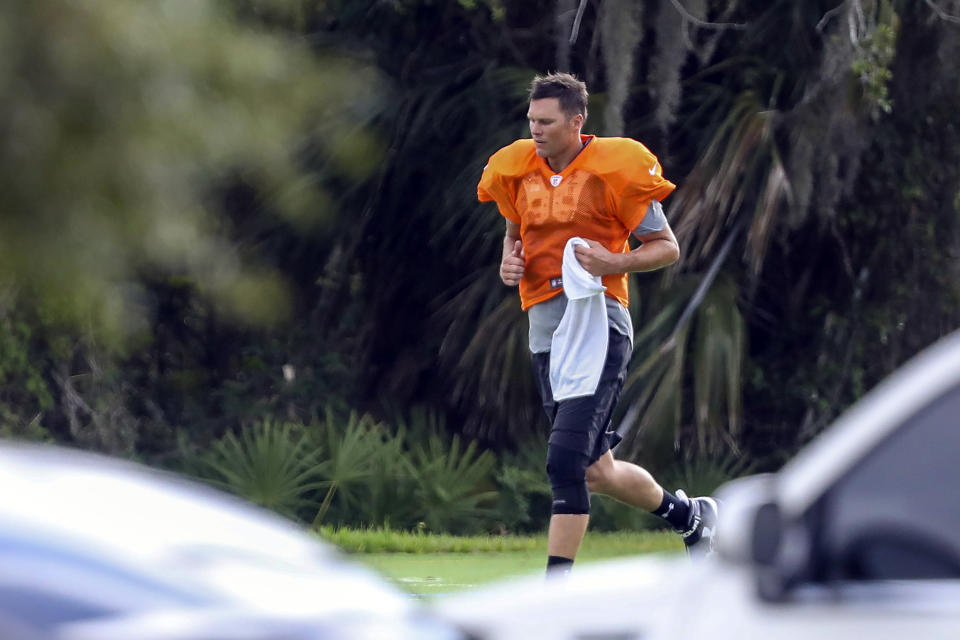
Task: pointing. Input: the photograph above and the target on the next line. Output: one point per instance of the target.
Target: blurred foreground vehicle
(857, 537)
(92, 548)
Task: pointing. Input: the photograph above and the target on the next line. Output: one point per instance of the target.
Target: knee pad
(567, 470)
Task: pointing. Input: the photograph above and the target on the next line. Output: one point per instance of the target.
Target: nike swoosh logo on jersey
(653, 169)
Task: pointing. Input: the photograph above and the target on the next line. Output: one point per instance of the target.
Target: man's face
(553, 132)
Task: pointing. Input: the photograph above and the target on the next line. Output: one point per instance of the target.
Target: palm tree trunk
(621, 33)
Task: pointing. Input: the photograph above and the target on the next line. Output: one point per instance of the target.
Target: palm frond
(485, 354)
(451, 481)
(717, 360)
(652, 404)
(741, 160)
(706, 351)
(349, 450)
(270, 464)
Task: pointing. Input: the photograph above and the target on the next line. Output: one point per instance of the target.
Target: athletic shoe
(700, 536)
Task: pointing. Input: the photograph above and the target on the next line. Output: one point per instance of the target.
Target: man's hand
(597, 260)
(511, 266)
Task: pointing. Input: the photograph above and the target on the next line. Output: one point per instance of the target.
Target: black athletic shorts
(584, 424)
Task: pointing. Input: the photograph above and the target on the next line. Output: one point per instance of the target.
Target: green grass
(431, 565)
(378, 540)
(441, 573)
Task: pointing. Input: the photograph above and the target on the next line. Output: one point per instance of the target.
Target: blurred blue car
(93, 548)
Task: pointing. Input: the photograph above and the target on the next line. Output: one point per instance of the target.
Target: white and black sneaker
(700, 536)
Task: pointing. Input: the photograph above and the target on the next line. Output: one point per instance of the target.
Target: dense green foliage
(241, 239)
(409, 476)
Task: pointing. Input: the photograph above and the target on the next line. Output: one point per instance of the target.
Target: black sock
(674, 510)
(558, 565)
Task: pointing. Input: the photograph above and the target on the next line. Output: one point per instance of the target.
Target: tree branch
(943, 15)
(704, 286)
(829, 14)
(676, 4)
(576, 22)
(706, 25)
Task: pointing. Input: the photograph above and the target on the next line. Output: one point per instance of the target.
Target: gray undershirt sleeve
(653, 221)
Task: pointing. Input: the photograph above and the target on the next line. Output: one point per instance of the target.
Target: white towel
(579, 345)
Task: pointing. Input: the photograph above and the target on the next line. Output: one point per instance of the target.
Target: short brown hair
(571, 92)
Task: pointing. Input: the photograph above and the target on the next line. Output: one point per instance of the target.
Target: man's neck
(562, 161)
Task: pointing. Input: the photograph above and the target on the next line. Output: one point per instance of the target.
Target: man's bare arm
(657, 250)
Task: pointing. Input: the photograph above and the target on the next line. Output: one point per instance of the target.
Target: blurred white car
(857, 537)
(92, 548)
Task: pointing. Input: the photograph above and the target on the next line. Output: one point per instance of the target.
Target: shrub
(270, 464)
(452, 484)
(350, 455)
(392, 500)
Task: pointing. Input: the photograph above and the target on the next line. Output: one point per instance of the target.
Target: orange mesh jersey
(602, 195)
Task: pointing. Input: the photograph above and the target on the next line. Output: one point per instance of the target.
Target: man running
(558, 185)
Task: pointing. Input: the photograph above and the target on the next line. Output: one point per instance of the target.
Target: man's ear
(577, 121)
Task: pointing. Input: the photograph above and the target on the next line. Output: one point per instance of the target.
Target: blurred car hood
(169, 531)
(622, 598)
